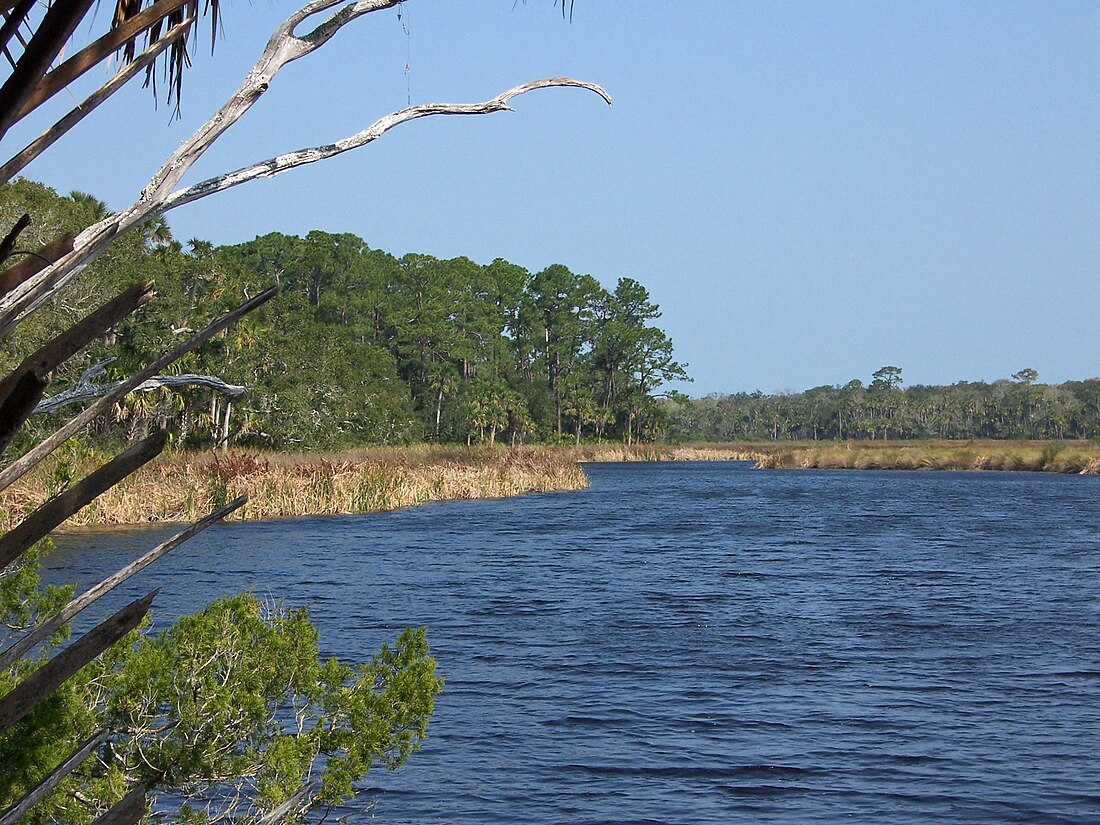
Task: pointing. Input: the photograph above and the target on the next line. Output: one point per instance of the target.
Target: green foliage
(361, 347)
(223, 716)
(1017, 409)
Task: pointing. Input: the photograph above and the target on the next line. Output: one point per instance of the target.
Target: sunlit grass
(184, 486)
(1035, 456)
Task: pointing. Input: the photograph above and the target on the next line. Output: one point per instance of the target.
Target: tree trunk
(225, 425)
(438, 411)
(214, 417)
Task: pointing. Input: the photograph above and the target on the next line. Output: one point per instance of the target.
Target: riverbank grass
(1082, 457)
(181, 487)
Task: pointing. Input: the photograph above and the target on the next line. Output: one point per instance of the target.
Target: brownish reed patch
(181, 486)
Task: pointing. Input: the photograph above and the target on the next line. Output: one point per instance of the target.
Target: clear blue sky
(810, 190)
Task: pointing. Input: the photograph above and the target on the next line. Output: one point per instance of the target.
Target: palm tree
(42, 32)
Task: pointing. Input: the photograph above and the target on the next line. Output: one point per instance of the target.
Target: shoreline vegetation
(1067, 457)
(181, 487)
(184, 486)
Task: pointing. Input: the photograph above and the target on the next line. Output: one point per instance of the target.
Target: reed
(733, 451)
(1081, 457)
(1032, 456)
(182, 487)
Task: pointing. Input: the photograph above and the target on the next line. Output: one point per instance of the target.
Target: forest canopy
(1009, 408)
(363, 347)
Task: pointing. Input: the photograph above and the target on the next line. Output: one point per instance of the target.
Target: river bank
(1081, 457)
(181, 487)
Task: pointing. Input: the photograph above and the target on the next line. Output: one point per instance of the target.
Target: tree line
(1017, 407)
(364, 347)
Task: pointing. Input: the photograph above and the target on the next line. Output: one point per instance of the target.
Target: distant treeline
(361, 347)
(1019, 407)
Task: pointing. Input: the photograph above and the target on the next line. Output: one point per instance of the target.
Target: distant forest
(364, 348)
(1019, 407)
(361, 347)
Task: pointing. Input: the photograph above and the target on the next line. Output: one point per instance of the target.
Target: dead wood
(53, 512)
(54, 623)
(23, 465)
(30, 266)
(37, 687)
(13, 814)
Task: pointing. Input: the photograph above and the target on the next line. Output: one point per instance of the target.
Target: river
(706, 643)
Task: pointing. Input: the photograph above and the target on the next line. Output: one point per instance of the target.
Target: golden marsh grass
(182, 487)
(1033, 456)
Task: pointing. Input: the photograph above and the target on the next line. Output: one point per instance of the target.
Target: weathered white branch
(160, 194)
(283, 47)
(281, 163)
(86, 391)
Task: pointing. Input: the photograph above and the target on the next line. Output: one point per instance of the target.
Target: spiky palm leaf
(33, 39)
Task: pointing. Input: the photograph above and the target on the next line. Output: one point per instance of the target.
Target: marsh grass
(184, 486)
(181, 486)
(1032, 456)
(733, 451)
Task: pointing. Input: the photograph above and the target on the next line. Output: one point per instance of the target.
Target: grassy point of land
(184, 486)
(1081, 457)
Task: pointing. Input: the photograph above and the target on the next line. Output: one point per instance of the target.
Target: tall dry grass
(181, 487)
(184, 486)
(1032, 456)
(734, 451)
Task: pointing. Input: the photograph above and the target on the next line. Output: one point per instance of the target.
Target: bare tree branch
(160, 195)
(290, 160)
(37, 687)
(86, 390)
(52, 512)
(13, 814)
(17, 469)
(51, 625)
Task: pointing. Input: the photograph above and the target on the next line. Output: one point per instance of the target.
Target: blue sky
(809, 190)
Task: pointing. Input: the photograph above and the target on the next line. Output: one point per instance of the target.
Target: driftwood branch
(291, 808)
(290, 160)
(22, 389)
(128, 811)
(85, 390)
(89, 596)
(20, 396)
(13, 814)
(37, 687)
(17, 469)
(24, 270)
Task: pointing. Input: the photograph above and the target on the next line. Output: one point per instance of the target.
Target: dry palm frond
(42, 36)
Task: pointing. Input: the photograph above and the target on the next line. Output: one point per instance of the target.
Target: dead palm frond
(33, 39)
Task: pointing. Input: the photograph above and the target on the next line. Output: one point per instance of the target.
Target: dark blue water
(704, 643)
